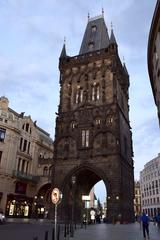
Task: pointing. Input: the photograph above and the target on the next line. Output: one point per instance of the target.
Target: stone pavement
(28, 231)
(115, 232)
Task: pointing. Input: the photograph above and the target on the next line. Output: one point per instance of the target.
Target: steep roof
(95, 36)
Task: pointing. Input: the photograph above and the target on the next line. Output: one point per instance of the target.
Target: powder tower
(93, 139)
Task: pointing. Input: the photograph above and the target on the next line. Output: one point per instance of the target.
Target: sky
(32, 36)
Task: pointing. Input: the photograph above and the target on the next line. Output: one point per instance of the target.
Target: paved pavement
(116, 232)
(29, 231)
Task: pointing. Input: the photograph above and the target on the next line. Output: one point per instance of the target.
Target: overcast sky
(32, 34)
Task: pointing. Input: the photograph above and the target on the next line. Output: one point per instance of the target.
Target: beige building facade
(154, 56)
(150, 187)
(26, 158)
(137, 199)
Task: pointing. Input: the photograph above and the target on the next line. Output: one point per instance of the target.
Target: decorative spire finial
(64, 40)
(102, 12)
(111, 26)
(88, 16)
(123, 60)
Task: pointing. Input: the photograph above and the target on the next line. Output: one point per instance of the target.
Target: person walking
(145, 225)
(158, 220)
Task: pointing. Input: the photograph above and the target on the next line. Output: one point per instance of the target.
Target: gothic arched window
(85, 138)
(79, 95)
(95, 92)
(45, 171)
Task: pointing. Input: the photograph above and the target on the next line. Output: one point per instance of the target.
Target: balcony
(26, 177)
(42, 160)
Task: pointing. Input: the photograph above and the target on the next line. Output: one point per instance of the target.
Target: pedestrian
(158, 220)
(145, 225)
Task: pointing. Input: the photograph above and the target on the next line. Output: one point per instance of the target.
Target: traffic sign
(55, 196)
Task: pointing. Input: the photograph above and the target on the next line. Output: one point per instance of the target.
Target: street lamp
(73, 203)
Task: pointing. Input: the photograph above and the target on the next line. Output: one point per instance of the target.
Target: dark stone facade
(93, 140)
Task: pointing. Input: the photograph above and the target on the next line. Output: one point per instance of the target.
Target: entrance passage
(94, 205)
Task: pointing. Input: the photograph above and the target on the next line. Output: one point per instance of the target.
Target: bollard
(46, 235)
(65, 231)
(71, 230)
(53, 234)
(58, 234)
(81, 224)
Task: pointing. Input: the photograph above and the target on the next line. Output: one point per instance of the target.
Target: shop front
(18, 204)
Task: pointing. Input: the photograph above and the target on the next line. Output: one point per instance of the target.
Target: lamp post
(73, 203)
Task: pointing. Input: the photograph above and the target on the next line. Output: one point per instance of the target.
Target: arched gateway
(93, 140)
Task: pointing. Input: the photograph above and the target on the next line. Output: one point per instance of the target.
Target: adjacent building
(150, 187)
(154, 56)
(137, 199)
(26, 153)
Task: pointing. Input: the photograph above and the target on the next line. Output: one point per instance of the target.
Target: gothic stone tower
(93, 140)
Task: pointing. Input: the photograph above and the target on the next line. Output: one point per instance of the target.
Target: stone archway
(42, 201)
(79, 181)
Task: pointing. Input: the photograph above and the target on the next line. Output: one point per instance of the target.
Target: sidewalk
(29, 220)
(115, 232)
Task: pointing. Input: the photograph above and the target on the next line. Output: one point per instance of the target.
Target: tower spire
(112, 37)
(95, 36)
(63, 52)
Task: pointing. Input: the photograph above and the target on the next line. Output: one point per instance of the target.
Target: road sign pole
(55, 223)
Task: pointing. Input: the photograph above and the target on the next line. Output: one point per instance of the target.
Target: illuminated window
(79, 95)
(98, 121)
(85, 138)
(109, 120)
(73, 124)
(95, 92)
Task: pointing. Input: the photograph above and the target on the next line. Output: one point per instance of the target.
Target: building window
(0, 156)
(98, 121)
(25, 145)
(109, 120)
(23, 166)
(90, 45)
(94, 28)
(50, 171)
(21, 140)
(73, 124)
(45, 171)
(95, 92)
(19, 164)
(85, 138)
(2, 134)
(27, 127)
(79, 95)
(28, 147)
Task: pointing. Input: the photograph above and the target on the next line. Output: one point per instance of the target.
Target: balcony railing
(42, 160)
(25, 176)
